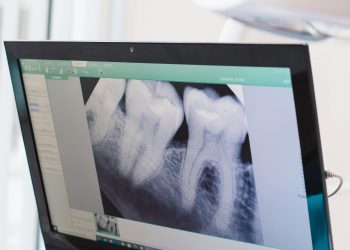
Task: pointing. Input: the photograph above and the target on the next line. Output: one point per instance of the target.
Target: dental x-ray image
(174, 154)
(106, 224)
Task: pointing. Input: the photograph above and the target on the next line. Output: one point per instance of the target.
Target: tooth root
(223, 215)
(101, 105)
(216, 131)
(153, 115)
(111, 226)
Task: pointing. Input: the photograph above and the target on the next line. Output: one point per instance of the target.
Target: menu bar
(214, 74)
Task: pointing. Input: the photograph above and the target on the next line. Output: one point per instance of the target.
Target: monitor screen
(169, 156)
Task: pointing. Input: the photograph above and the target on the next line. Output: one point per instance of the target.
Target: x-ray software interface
(169, 156)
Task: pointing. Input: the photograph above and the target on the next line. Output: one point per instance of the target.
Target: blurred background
(154, 20)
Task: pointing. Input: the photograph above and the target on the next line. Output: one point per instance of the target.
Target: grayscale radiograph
(106, 224)
(175, 155)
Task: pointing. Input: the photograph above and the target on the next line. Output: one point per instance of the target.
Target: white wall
(169, 20)
(20, 19)
(134, 20)
(87, 20)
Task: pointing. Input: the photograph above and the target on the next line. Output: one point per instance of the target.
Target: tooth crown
(216, 114)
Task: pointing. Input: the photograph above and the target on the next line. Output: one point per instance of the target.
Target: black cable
(328, 175)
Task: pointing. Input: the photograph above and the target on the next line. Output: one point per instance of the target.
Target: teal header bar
(241, 75)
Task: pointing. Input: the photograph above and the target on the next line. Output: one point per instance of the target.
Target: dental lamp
(310, 20)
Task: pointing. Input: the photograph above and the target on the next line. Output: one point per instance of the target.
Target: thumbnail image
(106, 224)
(173, 154)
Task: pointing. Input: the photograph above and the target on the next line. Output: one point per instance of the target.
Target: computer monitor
(172, 146)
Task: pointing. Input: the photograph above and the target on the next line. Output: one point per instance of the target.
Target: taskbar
(123, 243)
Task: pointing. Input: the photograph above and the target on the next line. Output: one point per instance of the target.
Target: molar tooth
(153, 115)
(101, 105)
(103, 222)
(217, 129)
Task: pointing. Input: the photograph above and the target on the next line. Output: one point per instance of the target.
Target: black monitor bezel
(295, 57)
